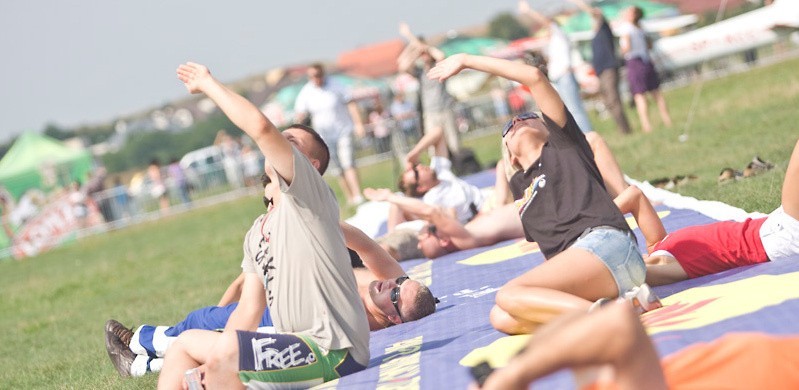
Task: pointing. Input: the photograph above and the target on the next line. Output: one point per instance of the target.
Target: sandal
(729, 174)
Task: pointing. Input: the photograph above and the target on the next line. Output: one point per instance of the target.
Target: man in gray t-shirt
(295, 263)
(437, 103)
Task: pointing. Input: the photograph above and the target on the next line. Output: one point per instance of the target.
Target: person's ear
(444, 242)
(394, 319)
(316, 163)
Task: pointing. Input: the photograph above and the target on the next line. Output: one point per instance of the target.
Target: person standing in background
(606, 65)
(333, 110)
(641, 73)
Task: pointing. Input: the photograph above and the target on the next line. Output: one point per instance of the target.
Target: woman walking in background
(641, 73)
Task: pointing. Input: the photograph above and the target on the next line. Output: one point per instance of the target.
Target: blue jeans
(569, 91)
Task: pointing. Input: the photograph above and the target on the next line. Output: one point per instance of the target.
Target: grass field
(54, 306)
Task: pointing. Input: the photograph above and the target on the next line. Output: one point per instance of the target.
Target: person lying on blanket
(433, 185)
(609, 348)
(383, 286)
(707, 249)
(444, 234)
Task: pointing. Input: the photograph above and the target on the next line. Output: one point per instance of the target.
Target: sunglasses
(517, 119)
(395, 294)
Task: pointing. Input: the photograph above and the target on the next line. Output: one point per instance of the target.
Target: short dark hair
(424, 304)
(537, 60)
(638, 13)
(318, 66)
(411, 190)
(320, 152)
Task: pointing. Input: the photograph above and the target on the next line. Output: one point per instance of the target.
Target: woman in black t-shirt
(564, 207)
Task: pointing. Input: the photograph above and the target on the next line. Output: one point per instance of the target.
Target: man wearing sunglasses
(424, 187)
(295, 263)
(378, 275)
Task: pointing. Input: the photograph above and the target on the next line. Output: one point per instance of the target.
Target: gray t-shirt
(298, 251)
(435, 97)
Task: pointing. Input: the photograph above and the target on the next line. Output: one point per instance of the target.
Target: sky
(91, 61)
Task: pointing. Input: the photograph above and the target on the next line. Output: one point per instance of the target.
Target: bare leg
(633, 201)
(612, 336)
(790, 187)
(353, 184)
(662, 270)
(643, 112)
(569, 281)
(607, 164)
(345, 188)
(521, 310)
(223, 365)
(188, 351)
(662, 107)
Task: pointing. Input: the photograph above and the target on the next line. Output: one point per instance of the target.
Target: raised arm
(374, 257)
(543, 93)
(595, 12)
(540, 18)
(406, 33)
(243, 114)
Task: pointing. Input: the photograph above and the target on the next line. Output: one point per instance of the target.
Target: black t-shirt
(603, 49)
(562, 193)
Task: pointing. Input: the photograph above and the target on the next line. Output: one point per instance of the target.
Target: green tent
(478, 46)
(22, 168)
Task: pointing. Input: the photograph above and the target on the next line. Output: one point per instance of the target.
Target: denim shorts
(618, 250)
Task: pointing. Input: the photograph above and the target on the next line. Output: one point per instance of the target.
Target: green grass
(54, 306)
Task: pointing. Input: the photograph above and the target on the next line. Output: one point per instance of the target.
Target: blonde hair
(510, 169)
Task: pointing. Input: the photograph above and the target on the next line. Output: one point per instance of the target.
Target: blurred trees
(506, 26)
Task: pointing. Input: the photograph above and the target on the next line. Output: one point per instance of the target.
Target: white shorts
(780, 235)
(342, 153)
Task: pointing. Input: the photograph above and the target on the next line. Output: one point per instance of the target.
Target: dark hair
(537, 60)
(424, 304)
(154, 162)
(638, 13)
(318, 66)
(411, 190)
(320, 152)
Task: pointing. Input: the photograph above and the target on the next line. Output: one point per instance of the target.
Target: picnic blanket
(435, 352)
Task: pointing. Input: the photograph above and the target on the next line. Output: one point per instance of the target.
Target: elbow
(536, 77)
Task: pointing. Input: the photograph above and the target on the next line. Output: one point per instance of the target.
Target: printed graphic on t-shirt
(530, 192)
(265, 260)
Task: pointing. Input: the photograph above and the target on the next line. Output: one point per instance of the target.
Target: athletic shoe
(643, 299)
(121, 331)
(117, 339)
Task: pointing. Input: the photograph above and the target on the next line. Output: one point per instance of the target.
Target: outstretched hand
(448, 67)
(377, 194)
(524, 7)
(194, 76)
(405, 30)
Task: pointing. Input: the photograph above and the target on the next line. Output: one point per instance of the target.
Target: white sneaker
(643, 298)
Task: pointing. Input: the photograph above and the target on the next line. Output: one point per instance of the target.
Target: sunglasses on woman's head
(517, 119)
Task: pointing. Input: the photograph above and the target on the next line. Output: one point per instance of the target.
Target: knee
(506, 298)
(501, 320)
